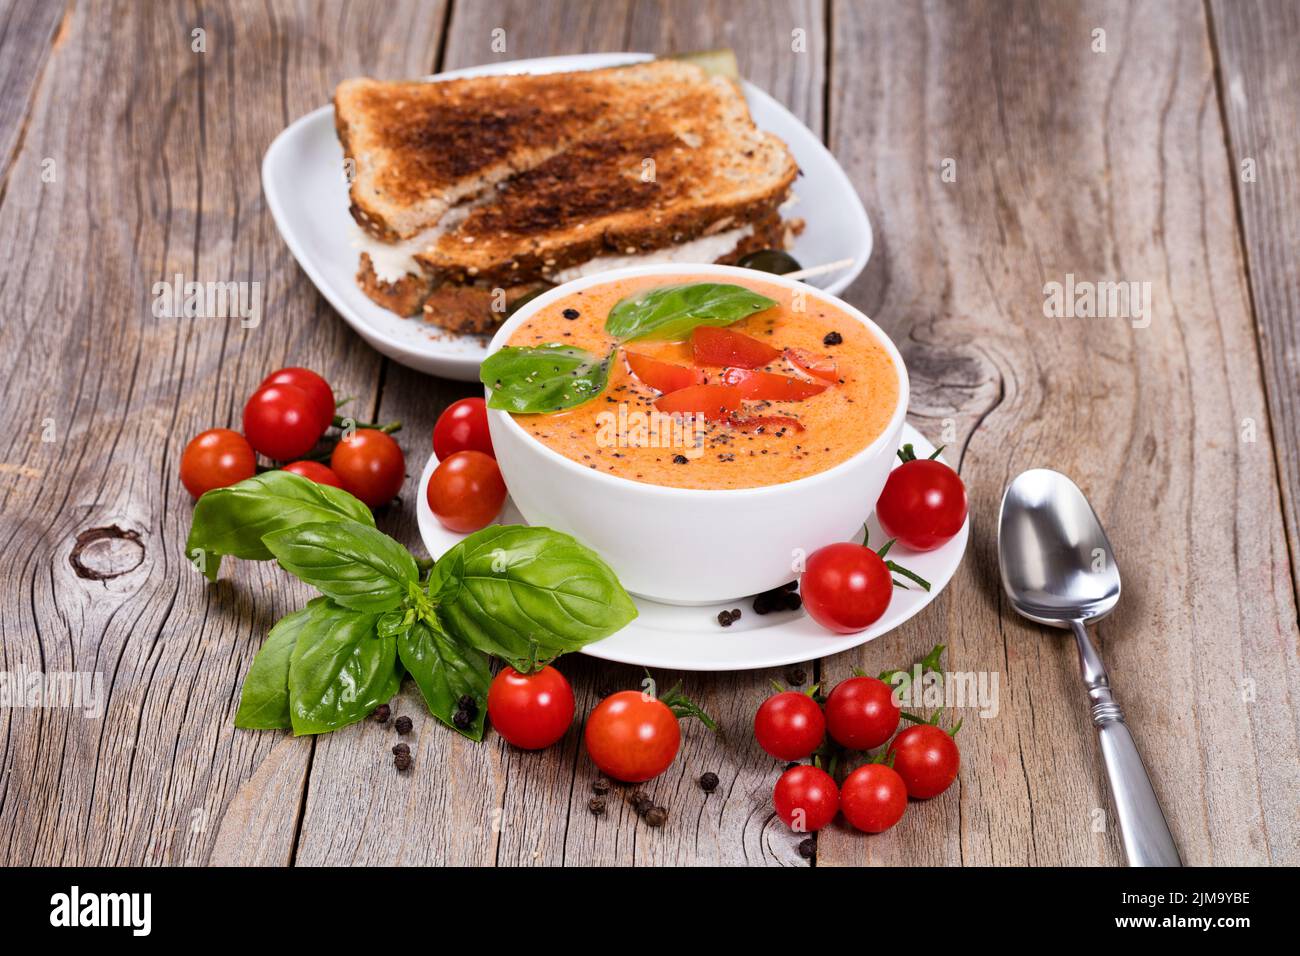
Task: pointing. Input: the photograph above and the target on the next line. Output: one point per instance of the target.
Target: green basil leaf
(234, 520)
(341, 670)
(358, 566)
(446, 670)
(264, 701)
(545, 378)
(672, 311)
(527, 593)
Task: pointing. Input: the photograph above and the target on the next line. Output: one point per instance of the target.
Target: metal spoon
(1058, 569)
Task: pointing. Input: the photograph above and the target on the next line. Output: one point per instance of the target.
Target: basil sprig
(544, 378)
(672, 311)
(525, 594)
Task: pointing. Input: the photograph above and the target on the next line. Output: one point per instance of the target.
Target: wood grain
(157, 150)
(1109, 166)
(1258, 45)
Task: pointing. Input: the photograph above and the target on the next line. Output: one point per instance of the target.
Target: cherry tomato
(632, 737)
(873, 798)
(463, 426)
(370, 465)
(664, 376)
(923, 504)
(714, 346)
(846, 587)
(861, 713)
(317, 389)
(282, 422)
(531, 711)
(927, 759)
(789, 726)
(712, 401)
(321, 474)
(822, 368)
(770, 387)
(806, 798)
(216, 458)
(466, 491)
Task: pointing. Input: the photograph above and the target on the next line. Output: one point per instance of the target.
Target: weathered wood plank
(1258, 45)
(517, 808)
(1108, 166)
(157, 150)
(28, 32)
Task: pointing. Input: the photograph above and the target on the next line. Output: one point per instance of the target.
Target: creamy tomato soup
(762, 442)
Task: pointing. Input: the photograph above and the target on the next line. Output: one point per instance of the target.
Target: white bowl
(686, 545)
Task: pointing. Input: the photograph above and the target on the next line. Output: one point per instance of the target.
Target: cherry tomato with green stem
(861, 713)
(317, 389)
(806, 798)
(927, 759)
(923, 503)
(530, 711)
(282, 422)
(370, 465)
(633, 736)
(873, 798)
(216, 458)
(789, 725)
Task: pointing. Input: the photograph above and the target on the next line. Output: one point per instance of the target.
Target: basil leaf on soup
(358, 566)
(527, 594)
(264, 700)
(340, 669)
(671, 312)
(544, 378)
(234, 520)
(446, 670)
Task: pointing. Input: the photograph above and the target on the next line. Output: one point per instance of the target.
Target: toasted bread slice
(419, 148)
(695, 166)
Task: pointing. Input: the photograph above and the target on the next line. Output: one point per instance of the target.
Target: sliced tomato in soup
(821, 367)
(770, 387)
(769, 424)
(714, 346)
(715, 402)
(664, 376)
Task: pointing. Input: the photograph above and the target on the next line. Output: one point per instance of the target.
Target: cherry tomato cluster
(284, 420)
(466, 490)
(860, 714)
(631, 735)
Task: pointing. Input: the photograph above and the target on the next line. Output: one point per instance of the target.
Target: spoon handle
(1146, 836)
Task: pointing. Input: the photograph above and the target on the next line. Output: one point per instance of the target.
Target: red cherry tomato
(822, 368)
(923, 504)
(714, 346)
(632, 737)
(463, 426)
(770, 387)
(846, 587)
(282, 422)
(806, 798)
(466, 491)
(664, 376)
(317, 389)
(712, 401)
(873, 798)
(531, 711)
(927, 759)
(216, 458)
(321, 474)
(861, 713)
(789, 726)
(370, 465)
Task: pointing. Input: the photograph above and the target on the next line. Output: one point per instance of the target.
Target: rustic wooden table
(1166, 150)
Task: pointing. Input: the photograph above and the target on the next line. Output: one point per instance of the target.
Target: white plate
(690, 638)
(302, 175)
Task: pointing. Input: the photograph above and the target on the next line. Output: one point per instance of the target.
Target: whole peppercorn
(725, 618)
(403, 724)
(600, 785)
(808, 848)
(656, 817)
(709, 782)
(468, 704)
(571, 314)
(795, 677)
(402, 761)
(680, 460)
(832, 338)
(401, 749)
(641, 802)
(596, 805)
(381, 713)
(793, 601)
(462, 720)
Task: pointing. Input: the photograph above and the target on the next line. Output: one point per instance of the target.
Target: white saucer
(690, 638)
(302, 176)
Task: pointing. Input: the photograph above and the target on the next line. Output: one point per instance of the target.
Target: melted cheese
(706, 249)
